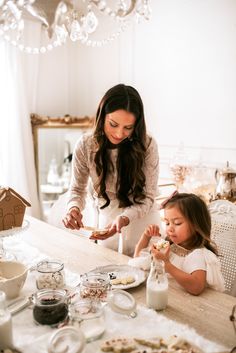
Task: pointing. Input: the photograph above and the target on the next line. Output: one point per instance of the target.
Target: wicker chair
(223, 215)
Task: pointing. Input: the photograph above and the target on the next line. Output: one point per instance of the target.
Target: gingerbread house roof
(4, 192)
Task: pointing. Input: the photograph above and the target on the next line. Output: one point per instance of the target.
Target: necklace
(178, 250)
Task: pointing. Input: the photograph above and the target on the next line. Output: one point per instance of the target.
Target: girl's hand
(73, 219)
(163, 255)
(151, 231)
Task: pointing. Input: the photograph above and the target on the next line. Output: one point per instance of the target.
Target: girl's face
(119, 125)
(177, 227)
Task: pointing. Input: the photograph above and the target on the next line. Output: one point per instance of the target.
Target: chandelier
(78, 20)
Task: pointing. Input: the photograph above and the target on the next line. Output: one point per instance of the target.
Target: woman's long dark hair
(194, 209)
(131, 151)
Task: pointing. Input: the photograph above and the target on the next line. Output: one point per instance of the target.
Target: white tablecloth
(148, 323)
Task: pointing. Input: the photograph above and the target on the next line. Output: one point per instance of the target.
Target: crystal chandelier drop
(79, 20)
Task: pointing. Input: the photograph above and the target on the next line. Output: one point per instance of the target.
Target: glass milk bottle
(5, 324)
(157, 286)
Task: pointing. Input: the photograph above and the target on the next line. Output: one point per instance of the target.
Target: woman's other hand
(118, 223)
(112, 228)
(73, 219)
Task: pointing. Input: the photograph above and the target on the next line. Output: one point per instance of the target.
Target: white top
(83, 168)
(200, 259)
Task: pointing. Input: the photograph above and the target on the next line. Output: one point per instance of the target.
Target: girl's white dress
(199, 259)
(189, 261)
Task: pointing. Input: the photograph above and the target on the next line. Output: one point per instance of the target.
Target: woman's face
(119, 125)
(177, 227)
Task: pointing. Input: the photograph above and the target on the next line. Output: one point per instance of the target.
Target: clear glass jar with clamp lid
(50, 274)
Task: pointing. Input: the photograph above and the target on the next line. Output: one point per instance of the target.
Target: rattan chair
(223, 215)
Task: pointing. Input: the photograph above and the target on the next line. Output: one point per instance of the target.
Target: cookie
(155, 343)
(161, 244)
(178, 344)
(123, 280)
(118, 345)
(145, 350)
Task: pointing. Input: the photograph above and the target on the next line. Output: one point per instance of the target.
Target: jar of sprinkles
(95, 286)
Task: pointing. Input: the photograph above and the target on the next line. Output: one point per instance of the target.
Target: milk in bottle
(157, 286)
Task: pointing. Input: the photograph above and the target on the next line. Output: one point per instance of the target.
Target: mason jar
(50, 306)
(50, 274)
(94, 285)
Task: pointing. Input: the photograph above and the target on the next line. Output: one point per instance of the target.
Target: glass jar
(50, 306)
(89, 315)
(6, 339)
(180, 167)
(50, 274)
(94, 285)
(157, 286)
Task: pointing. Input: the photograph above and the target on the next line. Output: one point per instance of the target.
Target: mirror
(54, 140)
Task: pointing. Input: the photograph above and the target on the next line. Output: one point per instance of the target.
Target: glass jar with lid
(94, 285)
(50, 274)
(50, 307)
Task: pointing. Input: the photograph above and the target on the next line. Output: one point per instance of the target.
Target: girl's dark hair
(131, 151)
(194, 209)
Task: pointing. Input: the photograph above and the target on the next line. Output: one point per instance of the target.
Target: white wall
(182, 62)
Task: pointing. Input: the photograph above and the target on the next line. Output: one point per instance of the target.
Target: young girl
(191, 257)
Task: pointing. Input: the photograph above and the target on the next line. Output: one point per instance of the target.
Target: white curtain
(17, 168)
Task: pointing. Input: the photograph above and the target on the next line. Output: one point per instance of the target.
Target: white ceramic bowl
(12, 277)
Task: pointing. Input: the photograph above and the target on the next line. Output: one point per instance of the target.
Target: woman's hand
(151, 231)
(163, 255)
(73, 219)
(118, 223)
(112, 228)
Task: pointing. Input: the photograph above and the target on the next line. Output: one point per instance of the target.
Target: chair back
(223, 216)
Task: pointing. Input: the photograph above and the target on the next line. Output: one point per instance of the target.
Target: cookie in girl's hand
(161, 245)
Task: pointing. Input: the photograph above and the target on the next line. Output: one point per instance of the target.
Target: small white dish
(12, 277)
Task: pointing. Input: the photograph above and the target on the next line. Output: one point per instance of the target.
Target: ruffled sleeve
(215, 278)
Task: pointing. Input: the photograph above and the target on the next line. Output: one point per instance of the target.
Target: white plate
(122, 271)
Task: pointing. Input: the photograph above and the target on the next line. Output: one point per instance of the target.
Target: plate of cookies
(123, 276)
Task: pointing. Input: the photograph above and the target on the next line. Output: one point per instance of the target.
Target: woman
(117, 165)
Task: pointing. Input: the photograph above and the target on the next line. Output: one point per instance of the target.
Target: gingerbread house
(12, 208)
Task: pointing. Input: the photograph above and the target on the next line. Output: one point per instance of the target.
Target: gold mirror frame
(47, 122)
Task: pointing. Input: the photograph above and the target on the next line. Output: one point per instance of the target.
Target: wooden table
(208, 313)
